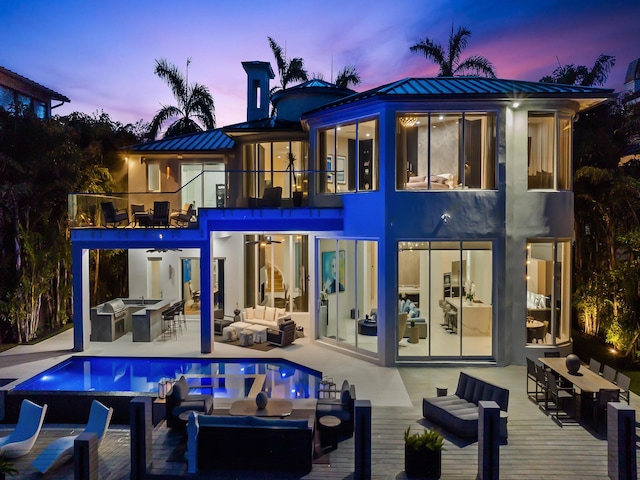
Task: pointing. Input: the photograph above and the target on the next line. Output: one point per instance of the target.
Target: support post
(488, 440)
(85, 457)
(362, 440)
(621, 441)
(141, 428)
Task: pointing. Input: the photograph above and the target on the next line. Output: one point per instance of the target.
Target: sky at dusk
(101, 54)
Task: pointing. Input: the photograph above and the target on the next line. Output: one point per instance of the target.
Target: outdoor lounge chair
(183, 217)
(19, 442)
(61, 449)
(113, 216)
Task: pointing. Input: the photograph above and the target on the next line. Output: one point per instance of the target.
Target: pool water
(230, 378)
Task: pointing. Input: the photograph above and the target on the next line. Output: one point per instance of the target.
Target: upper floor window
(549, 161)
(446, 150)
(276, 164)
(348, 157)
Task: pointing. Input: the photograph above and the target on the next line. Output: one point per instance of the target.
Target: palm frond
(278, 54)
(164, 114)
(295, 72)
(457, 43)
(182, 126)
(431, 50)
(348, 76)
(174, 78)
(478, 66)
(600, 71)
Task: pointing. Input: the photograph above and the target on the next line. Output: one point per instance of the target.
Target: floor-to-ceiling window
(549, 151)
(203, 184)
(548, 291)
(445, 299)
(348, 292)
(445, 150)
(276, 268)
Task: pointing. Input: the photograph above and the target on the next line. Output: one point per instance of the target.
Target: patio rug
(261, 347)
(177, 454)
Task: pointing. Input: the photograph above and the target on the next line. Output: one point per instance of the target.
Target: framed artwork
(333, 271)
(340, 178)
(329, 168)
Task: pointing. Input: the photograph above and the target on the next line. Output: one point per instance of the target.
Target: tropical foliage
(449, 60)
(607, 212)
(195, 110)
(40, 163)
(426, 440)
(289, 69)
(348, 77)
(582, 75)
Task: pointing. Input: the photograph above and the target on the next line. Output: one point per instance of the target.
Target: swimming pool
(69, 387)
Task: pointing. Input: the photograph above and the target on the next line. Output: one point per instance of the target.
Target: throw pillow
(417, 179)
(249, 313)
(270, 314)
(280, 312)
(259, 312)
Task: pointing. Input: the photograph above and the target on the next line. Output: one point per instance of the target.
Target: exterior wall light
(515, 104)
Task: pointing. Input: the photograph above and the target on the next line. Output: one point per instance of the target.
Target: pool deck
(537, 447)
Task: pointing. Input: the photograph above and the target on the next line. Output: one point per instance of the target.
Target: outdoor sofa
(458, 413)
(179, 401)
(218, 442)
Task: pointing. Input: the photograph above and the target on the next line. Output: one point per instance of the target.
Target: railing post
(362, 440)
(488, 440)
(85, 457)
(621, 441)
(141, 428)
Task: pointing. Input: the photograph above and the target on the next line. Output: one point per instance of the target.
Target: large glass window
(276, 268)
(445, 297)
(276, 164)
(348, 157)
(203, 184)
(549, 161)
(548, 291)
(443, 151)
(348, 292)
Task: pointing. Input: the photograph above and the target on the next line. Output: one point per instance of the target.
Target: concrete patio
(537, 446)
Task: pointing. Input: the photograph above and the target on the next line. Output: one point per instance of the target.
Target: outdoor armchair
(160, 215)
(183, 217)
(179, 401)
(284, 336)
(113, 216)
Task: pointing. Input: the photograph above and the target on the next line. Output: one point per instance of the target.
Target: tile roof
(210, 140)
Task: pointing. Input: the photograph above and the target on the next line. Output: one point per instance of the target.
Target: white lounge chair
(61, 449)
(19, 442)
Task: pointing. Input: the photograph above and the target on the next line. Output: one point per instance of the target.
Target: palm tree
(582, 75)
(449, 61)
(289, 70)
(195, 104)
(348, 76)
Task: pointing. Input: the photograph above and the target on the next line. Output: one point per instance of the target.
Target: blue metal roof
(208, 141)
(474, 87)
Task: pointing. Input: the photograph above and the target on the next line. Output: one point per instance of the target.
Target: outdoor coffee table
(276, 407)
(329, 425)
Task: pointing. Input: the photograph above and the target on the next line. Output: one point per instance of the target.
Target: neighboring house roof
(208, 141)
(633, 71)
(473, 88)
(46, 92)
(315, 84)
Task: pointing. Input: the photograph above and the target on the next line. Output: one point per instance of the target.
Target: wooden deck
(537, 446)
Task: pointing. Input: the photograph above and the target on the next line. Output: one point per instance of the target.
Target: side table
(329, 425)
(414, 334)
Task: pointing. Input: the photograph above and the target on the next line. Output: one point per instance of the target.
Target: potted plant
(6, 468)
(423, 453)
(291, 167)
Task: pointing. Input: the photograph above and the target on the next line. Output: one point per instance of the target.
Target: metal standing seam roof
(210, 140)
(476, 87)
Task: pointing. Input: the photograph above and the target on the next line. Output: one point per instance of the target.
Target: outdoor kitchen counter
(147, 322)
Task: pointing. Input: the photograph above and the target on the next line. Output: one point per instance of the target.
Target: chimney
(258, 76)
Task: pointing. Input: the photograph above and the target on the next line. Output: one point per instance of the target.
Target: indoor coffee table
(276, 407)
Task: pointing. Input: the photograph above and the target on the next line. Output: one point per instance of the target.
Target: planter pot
(297, 199)
(422, 463)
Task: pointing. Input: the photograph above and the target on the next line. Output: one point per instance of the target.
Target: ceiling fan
(163, 250)
(267, 240)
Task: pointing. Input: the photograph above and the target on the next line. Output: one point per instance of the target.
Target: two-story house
(440, 207)
(16, 90)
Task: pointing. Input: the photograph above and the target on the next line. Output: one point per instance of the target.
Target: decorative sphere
(261, 400)
(573, 363)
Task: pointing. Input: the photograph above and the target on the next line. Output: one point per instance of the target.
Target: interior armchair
(284, 336)
(179, 401)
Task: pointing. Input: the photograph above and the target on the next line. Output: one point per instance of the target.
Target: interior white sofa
(441, 181)
(266, 316)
